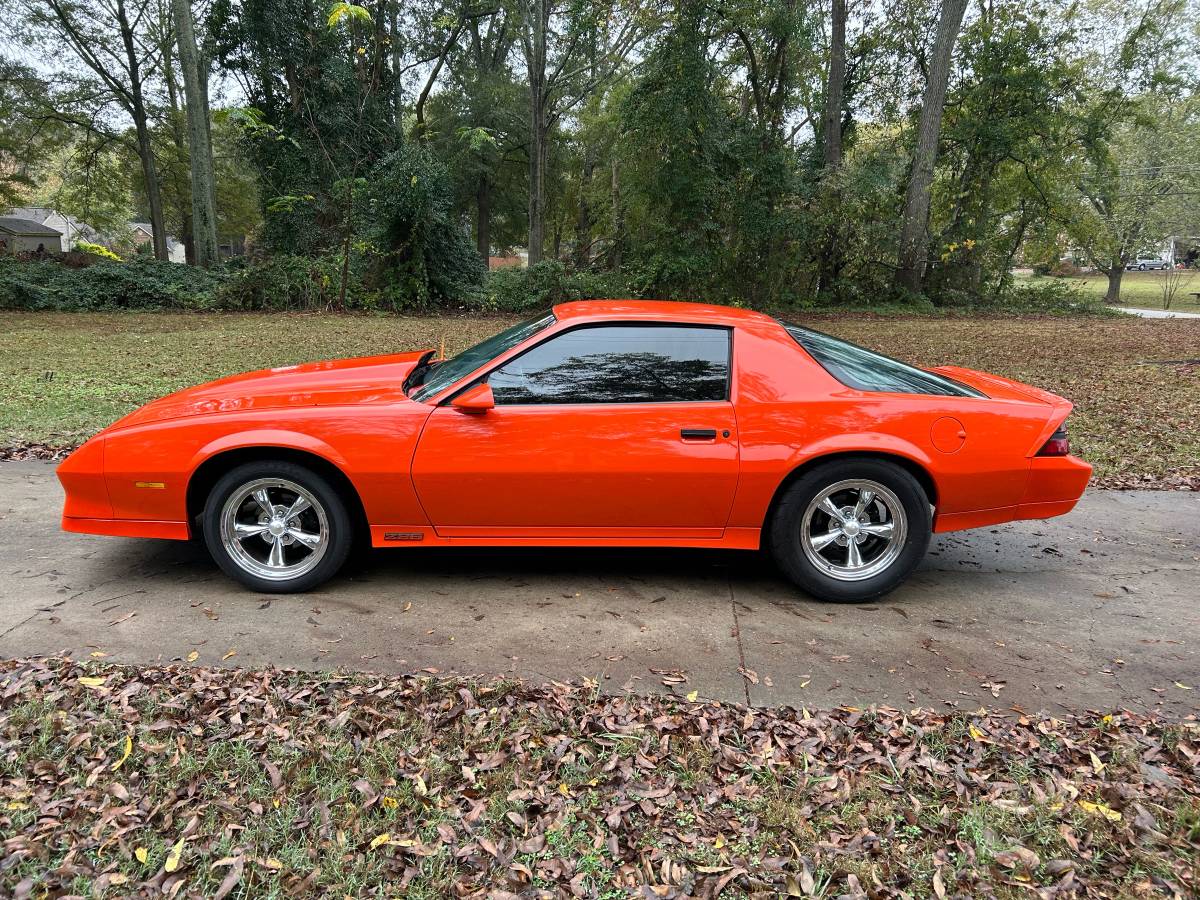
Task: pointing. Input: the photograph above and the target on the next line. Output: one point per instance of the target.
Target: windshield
(866, 370)
(443, 374)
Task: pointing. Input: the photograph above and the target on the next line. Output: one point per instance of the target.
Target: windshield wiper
(419, 371)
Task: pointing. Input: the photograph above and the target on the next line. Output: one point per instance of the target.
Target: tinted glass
(619, 364)
(445, 373)
(866, 370)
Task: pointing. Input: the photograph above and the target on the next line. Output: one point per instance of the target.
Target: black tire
(1142, 267)
(333, 523)
(790, 555)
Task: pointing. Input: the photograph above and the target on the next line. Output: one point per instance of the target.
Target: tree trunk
(397, 48)
(150, 175)
(583, 222)
(910, 272)
(829, 263)
(536, 64)
(419, 127)
(1014, 247)
(831, 125)
(618, 219)
(142, 129)
(1113, 294)
(483, 218)
(183, 208)
(204, 216)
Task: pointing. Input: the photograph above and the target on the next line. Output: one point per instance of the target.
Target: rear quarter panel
(791, 411)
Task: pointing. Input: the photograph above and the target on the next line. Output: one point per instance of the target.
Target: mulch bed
(190, 781)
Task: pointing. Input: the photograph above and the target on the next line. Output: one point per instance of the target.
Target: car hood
(366, 379)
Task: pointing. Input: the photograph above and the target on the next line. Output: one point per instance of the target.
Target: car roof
(701, 313)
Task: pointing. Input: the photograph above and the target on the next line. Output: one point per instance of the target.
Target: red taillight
(1058, 445)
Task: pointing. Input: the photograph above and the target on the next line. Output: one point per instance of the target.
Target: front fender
(147, 469)
(267, 437)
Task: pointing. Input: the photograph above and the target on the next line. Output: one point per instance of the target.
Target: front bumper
(82, 477)
(139, 528)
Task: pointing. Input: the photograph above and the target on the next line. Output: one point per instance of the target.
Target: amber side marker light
(153, 485)
(1058, 445)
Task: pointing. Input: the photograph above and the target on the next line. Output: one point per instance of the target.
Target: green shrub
(281, 282)
(96, 250)
(416, 254)
(136, 284)
(1051, 295)
(545, 284)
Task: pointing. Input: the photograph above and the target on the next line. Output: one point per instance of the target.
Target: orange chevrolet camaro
(598, 423)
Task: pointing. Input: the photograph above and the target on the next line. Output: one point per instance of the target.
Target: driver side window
(619, 364)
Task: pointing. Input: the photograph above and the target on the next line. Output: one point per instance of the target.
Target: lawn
(1139, 289)
(1137, 417)
(187, 781)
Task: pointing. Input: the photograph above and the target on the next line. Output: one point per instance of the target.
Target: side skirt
(409, 536)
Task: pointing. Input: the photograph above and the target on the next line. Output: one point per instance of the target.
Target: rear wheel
(277, 527)
(852, 529)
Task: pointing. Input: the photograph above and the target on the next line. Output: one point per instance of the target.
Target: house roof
(16, 225)
(172, 241)
(37, 214)
(40, 214)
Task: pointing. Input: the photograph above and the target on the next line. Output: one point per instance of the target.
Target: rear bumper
(140, 528)
(1055, 485)
(1055, 480)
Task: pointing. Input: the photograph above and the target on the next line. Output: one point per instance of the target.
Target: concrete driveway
(1096, 610)
(1156, 313)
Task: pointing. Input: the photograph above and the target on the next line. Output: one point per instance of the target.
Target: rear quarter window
(865, 370)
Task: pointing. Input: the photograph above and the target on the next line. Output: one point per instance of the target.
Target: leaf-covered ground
(1135, 383)
(199, 782)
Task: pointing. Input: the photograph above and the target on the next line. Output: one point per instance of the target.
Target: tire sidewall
(787, 521)
(341, 528)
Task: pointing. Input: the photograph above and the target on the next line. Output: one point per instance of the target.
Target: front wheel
(851, 530)
(277, 527)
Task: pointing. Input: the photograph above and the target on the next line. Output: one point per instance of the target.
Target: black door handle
(698, 434)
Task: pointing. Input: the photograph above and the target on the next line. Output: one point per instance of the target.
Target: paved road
(1157, 313)
(1096, 610)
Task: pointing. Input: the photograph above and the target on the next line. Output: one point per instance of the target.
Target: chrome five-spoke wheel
(854, 529)
(851, 529)
(274, 528)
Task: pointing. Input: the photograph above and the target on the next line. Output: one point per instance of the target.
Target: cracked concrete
(1094, 610)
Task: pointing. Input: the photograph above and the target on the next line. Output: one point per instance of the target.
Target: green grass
(66, 375)
(1139, 289)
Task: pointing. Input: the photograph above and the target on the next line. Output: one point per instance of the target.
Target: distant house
(19, 235)
(70, 229)
(143, 234)
(519, 258)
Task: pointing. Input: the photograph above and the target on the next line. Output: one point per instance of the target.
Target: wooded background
(768, 152)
